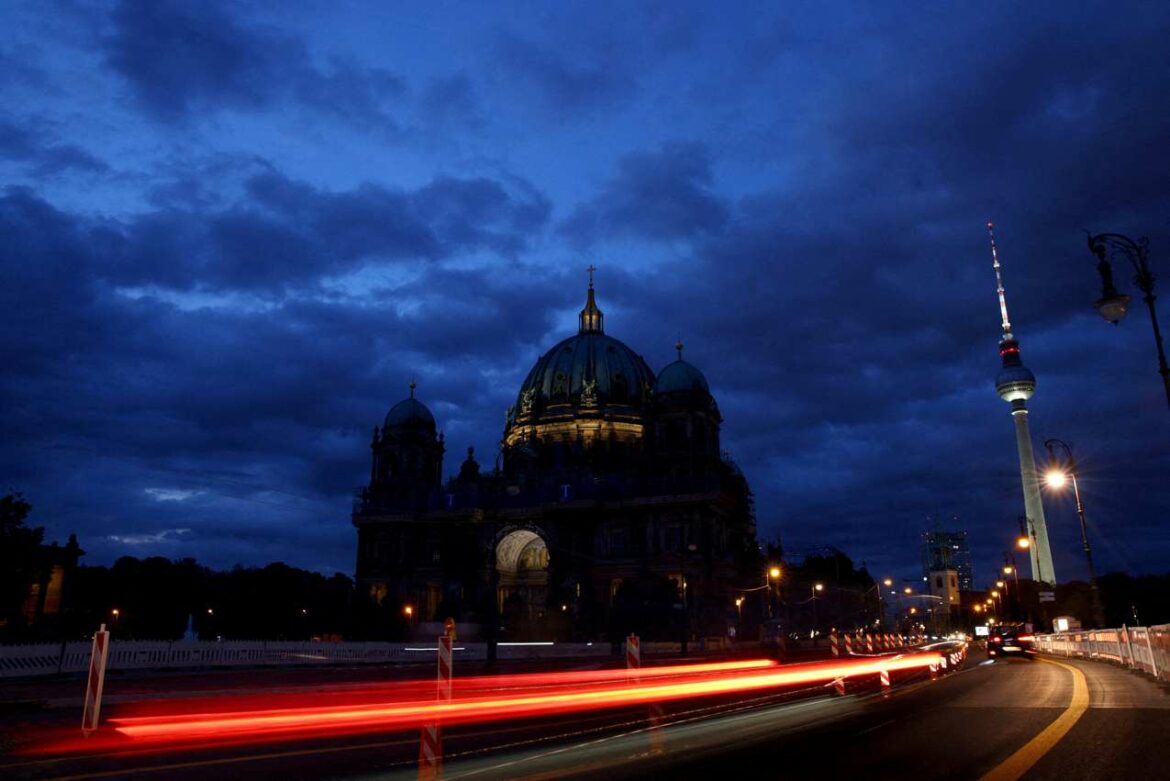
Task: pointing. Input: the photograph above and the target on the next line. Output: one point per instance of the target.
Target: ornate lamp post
(1056, 478)
(1113, 305)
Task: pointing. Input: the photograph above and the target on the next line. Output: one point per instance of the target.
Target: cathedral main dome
(586, 386)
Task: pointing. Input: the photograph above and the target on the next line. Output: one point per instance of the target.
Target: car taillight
(1025, 638)
(997, 639)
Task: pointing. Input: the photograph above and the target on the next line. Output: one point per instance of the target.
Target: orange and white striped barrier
(934, 672)
(833, 649)
(848, 644)
(634, 663)
(884, 677)
(839, 687)
(869, 643)
(430, 747)
(96, 681)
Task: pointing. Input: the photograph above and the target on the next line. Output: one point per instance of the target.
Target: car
(1011, 640)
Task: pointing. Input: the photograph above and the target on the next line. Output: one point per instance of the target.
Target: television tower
(1015, 384)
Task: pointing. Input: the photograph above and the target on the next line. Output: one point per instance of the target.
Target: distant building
(948, 550)
(610, 495)
(944, 584)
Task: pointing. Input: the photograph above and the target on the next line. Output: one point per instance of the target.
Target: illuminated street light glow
(774, 573)
(1023, 543)
(1056, 479)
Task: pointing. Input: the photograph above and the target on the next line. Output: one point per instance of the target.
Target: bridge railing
(17, 661)
(1144, 648)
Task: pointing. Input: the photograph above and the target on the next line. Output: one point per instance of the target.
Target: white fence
(1137, 647)
(49, 658)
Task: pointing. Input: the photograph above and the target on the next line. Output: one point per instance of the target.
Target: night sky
(230, 234)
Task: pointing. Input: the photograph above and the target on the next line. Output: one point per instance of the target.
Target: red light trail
(404, 705)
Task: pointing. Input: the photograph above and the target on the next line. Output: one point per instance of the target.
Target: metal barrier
(1137, 647)
(17, 661)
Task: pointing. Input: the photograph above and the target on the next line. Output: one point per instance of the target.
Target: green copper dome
(410, 413)
(589, 374)
(681, 376)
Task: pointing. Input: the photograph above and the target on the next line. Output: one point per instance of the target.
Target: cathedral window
(617, 542)
(672, 538)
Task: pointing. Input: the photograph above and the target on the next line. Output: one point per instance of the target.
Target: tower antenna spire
(1003, 313)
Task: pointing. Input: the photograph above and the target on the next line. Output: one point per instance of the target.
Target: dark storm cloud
(566, 84)
(284, 233)
(658, 195)
(181, 59)
(43, 156)
(234, 413)
(451, 101)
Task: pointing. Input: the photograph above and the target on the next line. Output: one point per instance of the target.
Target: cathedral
(611, 507)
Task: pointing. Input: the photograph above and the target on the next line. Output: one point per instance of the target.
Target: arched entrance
(522, 594)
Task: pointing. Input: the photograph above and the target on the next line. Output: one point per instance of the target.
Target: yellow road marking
(1019, 763)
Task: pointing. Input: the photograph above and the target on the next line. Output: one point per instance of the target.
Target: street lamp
(773, 584)
(1113, 305)
(816, 589)
(1056, 478)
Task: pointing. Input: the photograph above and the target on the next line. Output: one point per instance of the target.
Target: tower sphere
(1015, 382)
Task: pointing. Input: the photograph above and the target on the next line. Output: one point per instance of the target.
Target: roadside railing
(18, 661)
(1144, 648)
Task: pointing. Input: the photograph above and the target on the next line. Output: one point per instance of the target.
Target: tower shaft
(1041, 552)
(1015, 384)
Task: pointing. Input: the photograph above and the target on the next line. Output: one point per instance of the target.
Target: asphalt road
(1031, 719)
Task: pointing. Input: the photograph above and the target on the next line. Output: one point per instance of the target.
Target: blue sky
(234, 231)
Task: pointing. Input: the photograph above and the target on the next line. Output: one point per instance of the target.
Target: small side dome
(681, 376)
(410, 413)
